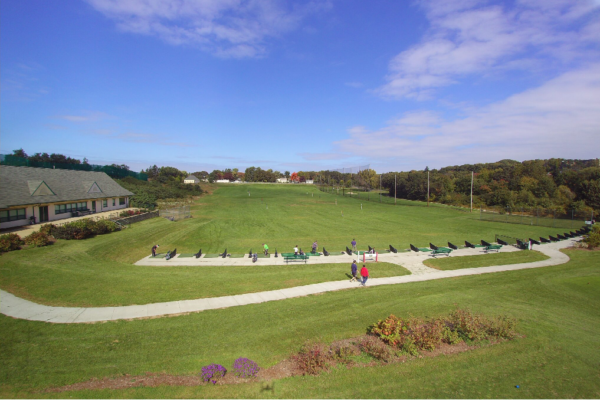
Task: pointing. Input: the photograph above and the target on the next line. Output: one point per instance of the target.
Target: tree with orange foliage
(294, 177)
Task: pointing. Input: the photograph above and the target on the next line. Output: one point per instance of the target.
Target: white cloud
(473, 37)
(558, 119)
(226, 28)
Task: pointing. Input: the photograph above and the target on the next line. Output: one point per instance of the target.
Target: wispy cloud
(92, 116)
(558, 119)
(472, 37)
(226, 28)
(21, 82)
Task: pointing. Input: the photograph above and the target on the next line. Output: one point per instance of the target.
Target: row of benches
(433, 249)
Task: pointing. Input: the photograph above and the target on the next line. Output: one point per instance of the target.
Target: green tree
(20, 153)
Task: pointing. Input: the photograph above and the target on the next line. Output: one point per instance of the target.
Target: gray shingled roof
(19, 184)
(192, 177)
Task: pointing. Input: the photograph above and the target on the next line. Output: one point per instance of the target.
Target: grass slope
(99, 271)
(450, 263)
(557, 358)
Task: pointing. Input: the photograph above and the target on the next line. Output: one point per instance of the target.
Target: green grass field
(446, 264)
(557, 307)
(99, 271)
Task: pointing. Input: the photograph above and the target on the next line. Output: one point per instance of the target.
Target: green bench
(441, 250)
(419, 249)
(291, 257)
(493, 247)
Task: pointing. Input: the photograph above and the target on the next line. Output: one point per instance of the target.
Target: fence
(111, 171)
(127, 221)
(537, 217)
(175, 214)
(380, 197)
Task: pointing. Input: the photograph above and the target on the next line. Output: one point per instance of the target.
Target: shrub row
(12, 241)
(593, 238)
(393, 337)
(411, 335)
(80, 229)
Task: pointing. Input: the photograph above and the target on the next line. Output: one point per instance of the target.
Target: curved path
(16, 307)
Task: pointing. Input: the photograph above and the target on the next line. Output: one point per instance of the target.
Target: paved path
(16, 307)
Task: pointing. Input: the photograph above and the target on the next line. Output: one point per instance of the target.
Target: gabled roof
(26, 185)
(39, 188)
(192, 178)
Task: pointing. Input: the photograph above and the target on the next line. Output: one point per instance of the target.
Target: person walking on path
(364, 272)
(353, 244)
(266, 249)
(154, 250)
(314, 247)
(354, 269)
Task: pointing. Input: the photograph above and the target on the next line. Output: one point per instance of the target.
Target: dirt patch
(283, 369)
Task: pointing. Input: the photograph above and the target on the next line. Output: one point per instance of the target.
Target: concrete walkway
(16, 307)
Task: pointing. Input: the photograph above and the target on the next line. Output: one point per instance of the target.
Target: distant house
(282, 180)
(191, 179)
(222, 181)
(309, 182)
(52, 194)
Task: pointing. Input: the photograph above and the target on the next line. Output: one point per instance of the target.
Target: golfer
(353, 243)
(364, 272)
(354, 269)
(266, 249)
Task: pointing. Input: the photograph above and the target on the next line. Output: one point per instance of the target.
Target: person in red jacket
(364, 272)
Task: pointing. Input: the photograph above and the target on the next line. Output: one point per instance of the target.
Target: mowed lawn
(557, 356)
(450, 263)
(100, 271)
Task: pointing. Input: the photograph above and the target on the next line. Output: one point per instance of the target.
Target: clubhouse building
(41, 194)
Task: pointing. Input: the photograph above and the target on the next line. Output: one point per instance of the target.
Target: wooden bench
(493, 247)
(441, 250)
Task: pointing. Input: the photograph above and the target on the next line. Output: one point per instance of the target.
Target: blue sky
(300, 85)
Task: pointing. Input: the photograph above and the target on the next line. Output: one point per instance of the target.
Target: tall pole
(427, 188)
(380, 188)
(394, 189)
(471, 191)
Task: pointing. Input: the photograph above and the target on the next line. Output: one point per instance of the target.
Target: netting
(175, 214)
(352, 170)
(570, 220)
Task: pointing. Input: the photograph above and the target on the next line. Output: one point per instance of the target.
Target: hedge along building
(54, 194)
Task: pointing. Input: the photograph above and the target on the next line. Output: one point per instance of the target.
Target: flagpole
(471, 191)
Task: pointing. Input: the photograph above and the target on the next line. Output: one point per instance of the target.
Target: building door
(93, 205)
(44, 214)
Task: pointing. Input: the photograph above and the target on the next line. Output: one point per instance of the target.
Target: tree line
(555, 183)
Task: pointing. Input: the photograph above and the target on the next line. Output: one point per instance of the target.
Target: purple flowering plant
(245, 368)
(213, 372)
